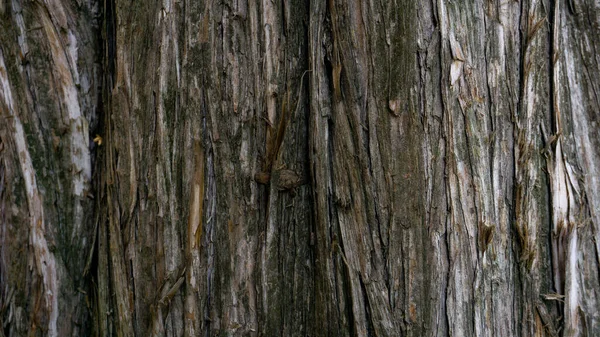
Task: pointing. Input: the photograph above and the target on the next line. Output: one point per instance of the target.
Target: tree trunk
(299, 168)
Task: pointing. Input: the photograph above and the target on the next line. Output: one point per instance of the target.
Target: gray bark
(300, 168)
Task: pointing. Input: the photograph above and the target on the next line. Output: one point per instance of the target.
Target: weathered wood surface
(50, 81)
(300, 168)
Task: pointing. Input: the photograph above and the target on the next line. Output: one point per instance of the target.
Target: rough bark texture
(50, 82)
(300, 168)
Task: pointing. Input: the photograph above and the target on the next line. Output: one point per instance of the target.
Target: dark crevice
(521, 72)
(551, 62)
(101, 257)
(335, 244)
(520, 272)
(4, 292)
(552, 58)
(444, 309)
(492, 135)
(284, 22)
(110, 42)
(133, 299)
(346, 284)
(211, 197)
(369, 316)
(447, 153)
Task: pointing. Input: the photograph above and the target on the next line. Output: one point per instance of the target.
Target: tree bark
(299, 168)
(50, 85)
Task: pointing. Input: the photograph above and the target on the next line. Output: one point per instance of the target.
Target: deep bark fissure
(552, 54)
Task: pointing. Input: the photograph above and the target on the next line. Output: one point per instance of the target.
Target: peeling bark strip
(194, 234)
(300, 168)
(197, 199)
